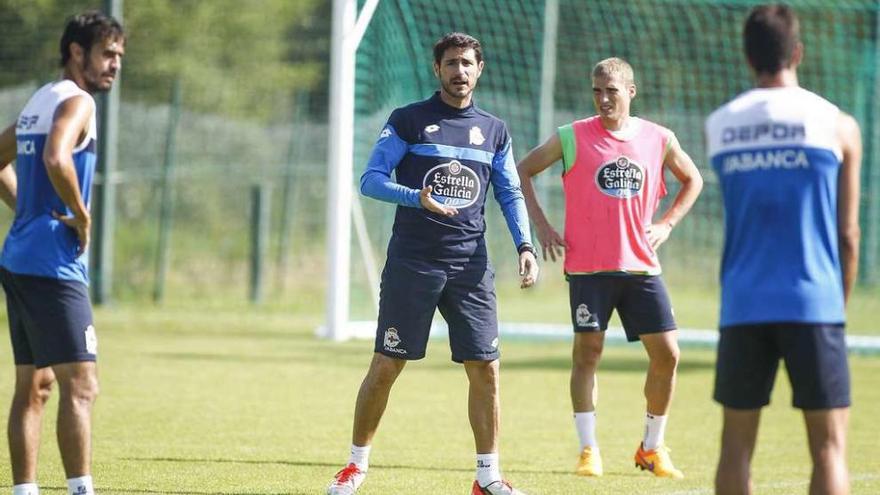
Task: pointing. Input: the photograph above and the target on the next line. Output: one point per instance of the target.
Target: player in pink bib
(612, 186)
(613, 183)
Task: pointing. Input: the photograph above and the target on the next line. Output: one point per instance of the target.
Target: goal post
(687, 58)
(347, 31)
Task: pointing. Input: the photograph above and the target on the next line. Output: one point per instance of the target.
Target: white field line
(554, 331)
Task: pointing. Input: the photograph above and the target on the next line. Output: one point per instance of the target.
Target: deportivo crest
(583, 317)
(391, 338)
(621, 178)
(453, 184)
(91, 340)
(477, 137)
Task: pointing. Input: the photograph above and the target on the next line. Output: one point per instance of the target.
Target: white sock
(80, 486)
(488, 469)
(585, 422)
(655, 428)
(360, 456)
(26, 489)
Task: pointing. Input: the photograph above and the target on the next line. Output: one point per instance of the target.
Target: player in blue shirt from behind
(444, 152)
(788, 162)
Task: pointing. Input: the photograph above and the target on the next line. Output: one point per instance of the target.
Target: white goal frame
(343, 206)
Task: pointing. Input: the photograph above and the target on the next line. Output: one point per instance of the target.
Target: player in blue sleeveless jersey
(788, 165)
(43, 263)
(444, 152)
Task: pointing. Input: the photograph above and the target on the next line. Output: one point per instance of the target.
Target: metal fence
(212, 111)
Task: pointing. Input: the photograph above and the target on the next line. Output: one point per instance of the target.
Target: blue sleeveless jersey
(458, 152)
(777, 157)
(37, 244)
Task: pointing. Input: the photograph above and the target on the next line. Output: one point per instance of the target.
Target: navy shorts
(464, 293)
(641, 302)
(50, 320)
(814, 355)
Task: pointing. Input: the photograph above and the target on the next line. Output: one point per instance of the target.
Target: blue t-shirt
(458, 152)
(37, 243)
(777, 157)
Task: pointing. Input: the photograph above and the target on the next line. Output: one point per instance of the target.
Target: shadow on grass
(237, 334)
(301, 356)
(177, 492)
(359, 359)
(236, 358)
(110, 489)
(625, 364)
(332, 466)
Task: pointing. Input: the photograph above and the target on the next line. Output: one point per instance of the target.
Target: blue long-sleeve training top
(458, 152)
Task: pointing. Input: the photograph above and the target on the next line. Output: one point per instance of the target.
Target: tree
(239, 59)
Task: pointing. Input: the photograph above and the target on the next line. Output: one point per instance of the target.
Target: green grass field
(696, 305)
(234, 400)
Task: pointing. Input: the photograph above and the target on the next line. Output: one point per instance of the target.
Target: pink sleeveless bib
(612, 189)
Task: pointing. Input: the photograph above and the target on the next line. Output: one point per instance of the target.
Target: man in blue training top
(42, 267)
(788, 165)
(444, 152)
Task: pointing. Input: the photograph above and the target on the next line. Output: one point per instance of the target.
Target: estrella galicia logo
(622, 178)
(453, 184)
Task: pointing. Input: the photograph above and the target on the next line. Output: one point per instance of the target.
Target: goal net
(687, 59)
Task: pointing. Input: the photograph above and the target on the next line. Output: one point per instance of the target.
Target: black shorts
(641, 302)
(814, 355)
(50, 320)
(465, 295)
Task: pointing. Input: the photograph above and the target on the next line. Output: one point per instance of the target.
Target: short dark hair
(770, 35)
(457, 40)
(87, 28)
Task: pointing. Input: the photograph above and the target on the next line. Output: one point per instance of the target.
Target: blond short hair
(614, 67)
